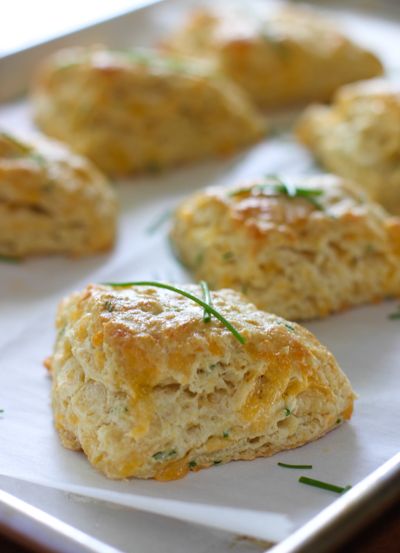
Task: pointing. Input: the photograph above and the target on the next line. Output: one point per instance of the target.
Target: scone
(359, 137)
(301, 248)
(148, 389)
(52, 200)
(138, 110)
(279, 55)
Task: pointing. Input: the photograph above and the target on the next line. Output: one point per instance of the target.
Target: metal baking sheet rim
(42, 532)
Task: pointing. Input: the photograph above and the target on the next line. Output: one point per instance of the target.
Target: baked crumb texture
(358, 137)
(285, 254)
(148, 389)
(280, 56)
(139, 110)
(52, 200)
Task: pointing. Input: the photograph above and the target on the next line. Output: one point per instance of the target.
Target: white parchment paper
(256, 498)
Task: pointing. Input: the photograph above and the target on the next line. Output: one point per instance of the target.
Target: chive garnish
(395, 315)
(195, 299)
(323, 485)
(207, 298)
(160, 455)
(287, 466)
(192, 464)
(217, 462)
(9, 259)
(225, 434)
(277, 186)
(287, 411)
(163, 218)
(108, 306)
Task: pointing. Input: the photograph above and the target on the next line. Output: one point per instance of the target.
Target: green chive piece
(1, 410)
(323, 485)
(338, 421)
(279, 187)
(197, 300)
(225, 434)
(108, 306)
(217, 462)
(207, 298)
(228, 256)
(9, 259)
(159, 222)
(192, 464)
(395, 315)
(288, 466)
(287, 411)
(161, 455)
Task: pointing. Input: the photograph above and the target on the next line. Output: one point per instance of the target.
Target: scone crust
(285, 254)
(148, 389)
(358, 137)
(52, 200)
(280, 56)
(141, 110)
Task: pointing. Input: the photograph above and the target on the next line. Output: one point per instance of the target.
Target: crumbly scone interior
(287, 256)
(148, 389)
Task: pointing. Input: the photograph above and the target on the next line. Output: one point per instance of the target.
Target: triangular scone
(358, 137)
(280, 55)
(52, 200)
(140, 110)
(148, 389)
(321, 250)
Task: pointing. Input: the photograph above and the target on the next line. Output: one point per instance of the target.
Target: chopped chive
(197, 300)
(228, 256)
(192, 464)
(225, 434)
(108, 306)
(287, 411)
(199, 260)
(279, 187)
(40, 160)
(1, 410)
(161, 455)
(163, 218)
(338, 421)
(9, 259)
(20, 145)
(323, 485)
(288, 466)
(395, 315)
(207, 299)
(217, 462)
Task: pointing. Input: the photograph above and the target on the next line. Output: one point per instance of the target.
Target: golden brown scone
(358, 137)
(280, 56)
(133, 111)
(52, 200)
(298, 257)
(148, 389)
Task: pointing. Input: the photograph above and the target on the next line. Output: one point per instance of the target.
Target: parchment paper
(256, 498)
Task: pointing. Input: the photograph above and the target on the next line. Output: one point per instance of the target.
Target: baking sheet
(257, 497)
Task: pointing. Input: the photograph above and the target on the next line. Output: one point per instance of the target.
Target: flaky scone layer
(279, 56)
(148, 389)
(132, 111)
(285, 254)
(358, 137)
(52, 200)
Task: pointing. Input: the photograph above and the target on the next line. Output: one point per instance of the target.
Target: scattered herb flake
(109, 306)
(159, 222)
(192, 464)
(395, 315)
(9, 259)
(162, 455)
(225, 434)
(199, 260)
(195, 299)
(338, 421)
(228, 256)
(323, 485)
(217, 462)
(287, 411)
(288, 466)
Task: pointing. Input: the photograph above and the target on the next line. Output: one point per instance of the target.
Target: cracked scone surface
(358, 137)
(148, 389)
(139, 110)
(285, 254)
(52, 200)
(279, 56)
